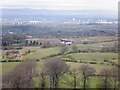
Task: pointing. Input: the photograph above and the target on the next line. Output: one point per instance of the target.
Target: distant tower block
(73, 19)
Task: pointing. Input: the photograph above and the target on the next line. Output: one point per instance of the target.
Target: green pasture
(42, 52)
(98, 67)
(95, 56)
(8, 66)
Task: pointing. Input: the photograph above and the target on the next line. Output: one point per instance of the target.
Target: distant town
(18, 21)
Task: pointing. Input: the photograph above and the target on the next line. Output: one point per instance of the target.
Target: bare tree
(63, 49)
(72, 78)
(6, 80)
(75, 48)
(114, 77)
(105, 83)
(55, 67)
(5, 85)
(86, 71)
(74, 73)
(75, 78)
(42, 75)
(21, 76)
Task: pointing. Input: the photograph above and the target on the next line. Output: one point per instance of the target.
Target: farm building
(67, 41)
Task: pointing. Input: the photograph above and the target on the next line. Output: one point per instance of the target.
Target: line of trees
(32, 43)
(113, 48)
(12, 39)
(52, 72)
(74, 49)
(64, 49)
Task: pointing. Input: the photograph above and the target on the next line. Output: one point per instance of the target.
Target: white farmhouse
(66, 41)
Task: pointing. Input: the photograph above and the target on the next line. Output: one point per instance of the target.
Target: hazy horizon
(111, 5)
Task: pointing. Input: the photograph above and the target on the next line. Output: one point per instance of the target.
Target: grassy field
(99, 38)
(63, 80)
(95, 56)
(41, 53)
(88, 46)
(8, 66)
(98, 67)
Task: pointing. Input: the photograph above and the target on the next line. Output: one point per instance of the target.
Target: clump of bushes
(68, 60)
(69, 57)
(93, 62)
(101, 63)
(105, 60)
(113, 58)
(11, 61)
(94, 59)
(81, 62)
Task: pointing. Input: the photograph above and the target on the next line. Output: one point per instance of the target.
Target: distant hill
(36, 13)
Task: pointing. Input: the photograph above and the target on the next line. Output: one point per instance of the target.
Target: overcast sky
(62, 4)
